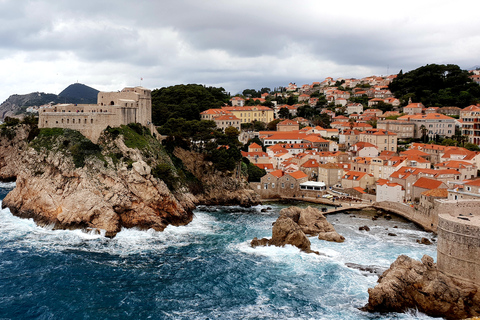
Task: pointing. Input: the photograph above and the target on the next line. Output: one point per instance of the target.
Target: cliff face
(69, 183)
(218, 188)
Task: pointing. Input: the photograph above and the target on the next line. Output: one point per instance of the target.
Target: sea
(204, 270)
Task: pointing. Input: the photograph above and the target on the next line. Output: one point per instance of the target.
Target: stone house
(226, 121)
(237, 101)
(310, 168)
(425, 184)
(383, 139)
(413, 108)
(287, 125)
(466, 169)
(330, 173)
(389, 191)
(353, 179)
(403, 129)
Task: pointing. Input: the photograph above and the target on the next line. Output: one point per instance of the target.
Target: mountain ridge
(74, 93)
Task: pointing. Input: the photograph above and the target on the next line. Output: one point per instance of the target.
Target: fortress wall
(89, 124)
(458, 248)
(427, 219)
(131, 105)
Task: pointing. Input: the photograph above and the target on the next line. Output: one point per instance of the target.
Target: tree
(284, 113)
(472, 146)
(436, 85)
(185, 101)
(272, 125)
(424, 132)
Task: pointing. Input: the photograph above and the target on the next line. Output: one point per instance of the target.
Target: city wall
(427, 219)
(458, 248)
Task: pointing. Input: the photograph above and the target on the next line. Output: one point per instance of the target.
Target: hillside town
(376, 151)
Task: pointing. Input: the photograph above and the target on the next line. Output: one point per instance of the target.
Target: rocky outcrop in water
(285, 231)
(294, 224)
(312, 222)
(411, 284)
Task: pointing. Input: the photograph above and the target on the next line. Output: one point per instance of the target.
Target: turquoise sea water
(205, 270)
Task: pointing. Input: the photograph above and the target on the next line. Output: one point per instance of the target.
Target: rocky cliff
(411, 284)
(218, 188)
(65, 180)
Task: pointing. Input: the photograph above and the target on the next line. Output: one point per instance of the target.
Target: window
(273, 185)
(291, 186)
(283, 185)
(265, 186)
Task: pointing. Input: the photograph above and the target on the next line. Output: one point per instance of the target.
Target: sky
(46, 45)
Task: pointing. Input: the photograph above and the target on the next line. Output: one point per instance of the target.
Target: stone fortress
(132, 104)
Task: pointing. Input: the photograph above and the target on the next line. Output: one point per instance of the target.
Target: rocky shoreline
(411, 284)
(65, 181)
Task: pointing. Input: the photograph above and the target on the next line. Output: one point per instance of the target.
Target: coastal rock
(364, 228)
(259, 242)
(312, 222)
(411, 284)
(286, 231)
(424, 241)
(53, 189)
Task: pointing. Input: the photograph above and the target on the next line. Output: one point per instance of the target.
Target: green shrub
(166, 173)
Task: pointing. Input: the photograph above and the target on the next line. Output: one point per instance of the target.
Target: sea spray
(205, 269)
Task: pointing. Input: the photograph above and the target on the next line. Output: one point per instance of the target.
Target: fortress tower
(131, 105)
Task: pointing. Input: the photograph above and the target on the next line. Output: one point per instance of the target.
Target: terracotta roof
(437, 193)
(310, 164)
(287, 122)
(359, 190)
(454, 164)
(355, 175)
(427, 183)
(331, 165)
(414, 152)
(277, 173)
(475, 182)
(227, 117)
(298, 174)
(255, 146)
(265, 166)
(430, 116)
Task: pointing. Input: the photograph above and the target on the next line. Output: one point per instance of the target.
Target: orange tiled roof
(437, 193)
(312, 163)
(427, 183)
(277, 173)
(298, 174)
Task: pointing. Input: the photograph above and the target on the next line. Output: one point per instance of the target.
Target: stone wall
(427, 219)
(458, 248)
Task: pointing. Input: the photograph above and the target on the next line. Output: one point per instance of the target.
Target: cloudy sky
(45, 45)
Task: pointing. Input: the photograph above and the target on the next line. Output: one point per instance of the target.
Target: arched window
(91, 120)
(68, 120)
(112, 103)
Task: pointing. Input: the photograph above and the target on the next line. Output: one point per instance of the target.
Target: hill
(79, 93)
(75, 93)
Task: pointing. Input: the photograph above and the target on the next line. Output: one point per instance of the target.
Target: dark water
(205, 270)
